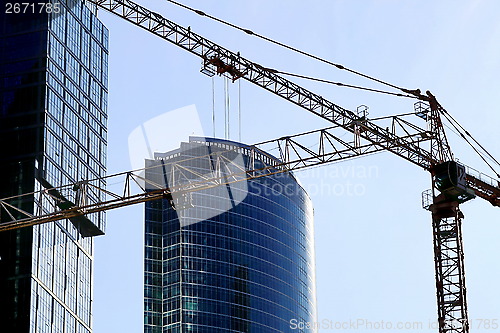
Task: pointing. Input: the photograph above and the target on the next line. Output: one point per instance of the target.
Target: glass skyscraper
(53, 101)
(237, 257)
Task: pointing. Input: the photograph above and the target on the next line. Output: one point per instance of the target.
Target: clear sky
(373, 244)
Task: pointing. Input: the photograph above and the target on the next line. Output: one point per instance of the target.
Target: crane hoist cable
(453, 120)
(454, 130)
(250, 32)
(213, 106)
(228, 102)
(239, 111)
(416, 92)
(341, 67)
(462, 135)
(342, 84)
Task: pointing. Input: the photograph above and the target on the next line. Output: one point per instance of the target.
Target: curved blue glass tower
(228, 258)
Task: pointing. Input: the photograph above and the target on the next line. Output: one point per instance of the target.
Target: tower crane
(452, 182)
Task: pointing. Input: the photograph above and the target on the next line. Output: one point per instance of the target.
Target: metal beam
(226, 62)
(295, 152)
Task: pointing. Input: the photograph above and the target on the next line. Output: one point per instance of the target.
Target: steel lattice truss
(224, 61)
(295, 152)
(449, 266)
(227, 62)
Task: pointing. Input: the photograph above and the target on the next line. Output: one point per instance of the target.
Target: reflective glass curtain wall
(53, 114)
(235, 258)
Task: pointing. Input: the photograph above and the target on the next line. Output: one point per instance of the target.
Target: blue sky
(373, 247)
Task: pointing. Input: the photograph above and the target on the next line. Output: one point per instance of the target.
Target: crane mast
(449, 266)
(452, 183)
(448, 178)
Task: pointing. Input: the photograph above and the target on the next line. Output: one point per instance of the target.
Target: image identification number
(32, 7)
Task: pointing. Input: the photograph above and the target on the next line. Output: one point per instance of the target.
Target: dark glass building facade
(53, 101)
(232, 258)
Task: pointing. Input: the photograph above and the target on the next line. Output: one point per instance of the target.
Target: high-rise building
(237, 257)
(53, 101)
